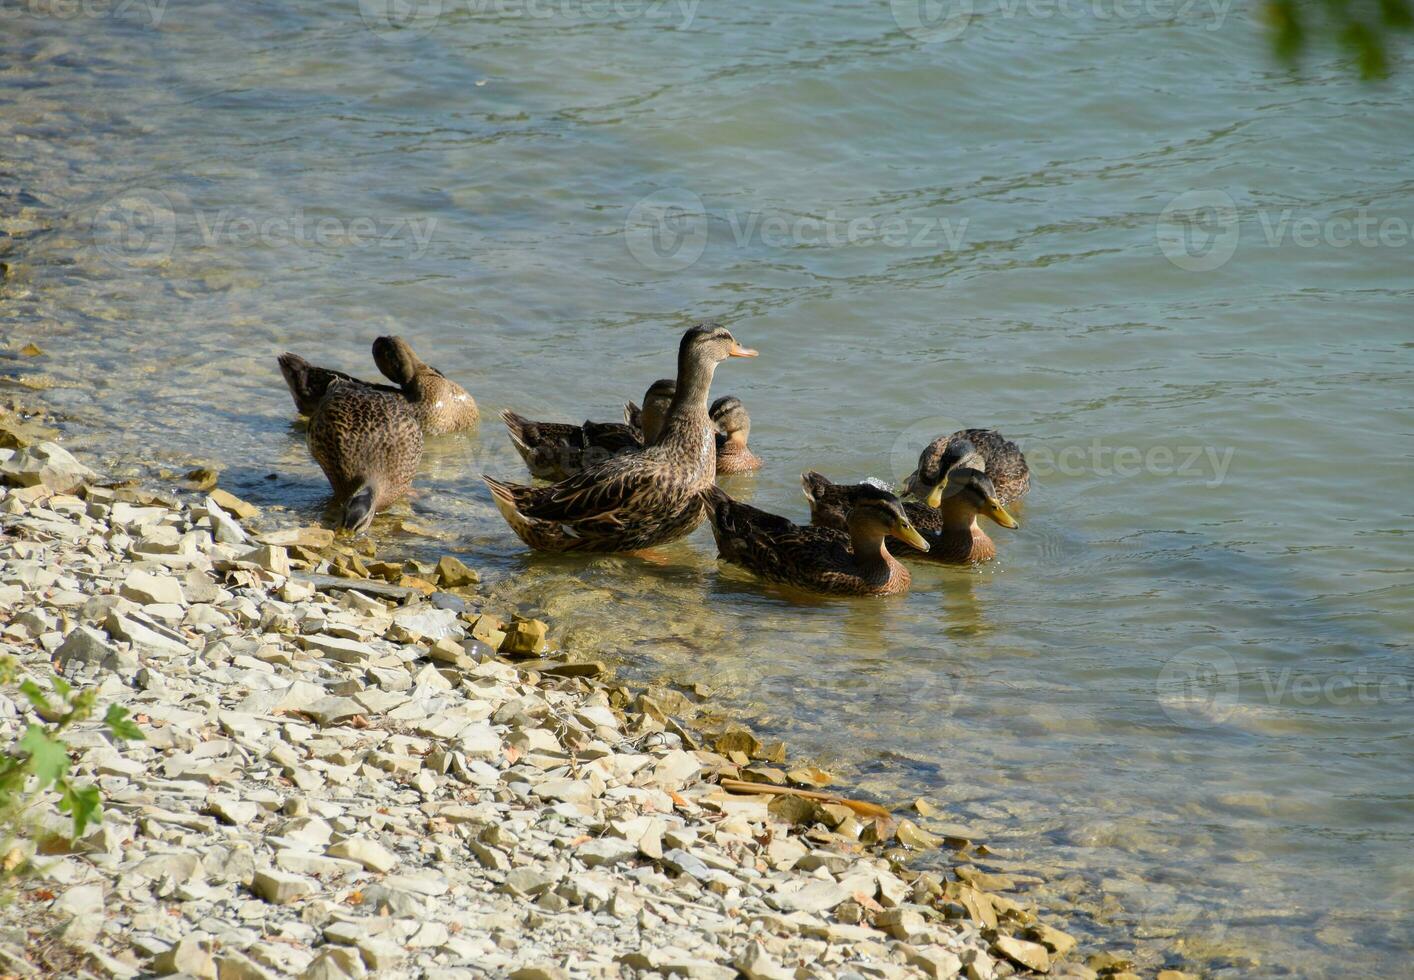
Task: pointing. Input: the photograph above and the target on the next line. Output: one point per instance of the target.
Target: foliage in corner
(1365, 30)
(39, 761)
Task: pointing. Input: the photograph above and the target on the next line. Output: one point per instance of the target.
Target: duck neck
(875, 562)
(687, 418)
(962, 538)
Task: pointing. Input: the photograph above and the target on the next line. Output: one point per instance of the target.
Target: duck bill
(998, 513)
(909, 536)
(935, 496)
(740, 351)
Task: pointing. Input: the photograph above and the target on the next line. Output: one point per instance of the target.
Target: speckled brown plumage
(439, 404)
(368, 442)
(734, 428)
(952, 531)
(641, 498)
(853, 561)
(558, 450)
(1000, 458)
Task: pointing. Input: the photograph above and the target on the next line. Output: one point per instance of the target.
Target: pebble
(369, 853)
(280, 887)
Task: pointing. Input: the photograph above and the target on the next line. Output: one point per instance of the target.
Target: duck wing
(615, 491)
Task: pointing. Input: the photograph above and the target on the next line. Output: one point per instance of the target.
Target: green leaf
(48, 757)
(34, 695)
(61, 687)
(84, 804)
(118, 724)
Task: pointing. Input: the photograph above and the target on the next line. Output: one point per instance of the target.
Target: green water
(1177, 275)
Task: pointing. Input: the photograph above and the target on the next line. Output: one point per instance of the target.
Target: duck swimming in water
(558, 450)
(979, 449)
(951, 530)
(734, 425)
(643, 497)
(854, 560)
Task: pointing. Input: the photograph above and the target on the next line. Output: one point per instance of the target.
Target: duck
(979, 449)
(558, 450)
(648, 420)
(368, 442)
(854, 561)
(951, 530)
(441, 405)
(734, 428)
(641, 498)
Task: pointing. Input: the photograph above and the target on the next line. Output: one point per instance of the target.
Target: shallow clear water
(1181, 694)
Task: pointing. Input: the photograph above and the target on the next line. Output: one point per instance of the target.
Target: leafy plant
(39, 759)
(1366, 30)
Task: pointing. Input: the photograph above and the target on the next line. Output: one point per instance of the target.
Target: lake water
(1178, 275)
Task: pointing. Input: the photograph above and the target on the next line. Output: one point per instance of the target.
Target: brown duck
(368, 442)
(558, 450)
(440, 405)
(853, 561)
(979, 449)
(643, 497)
(952, 531)
(734, 427)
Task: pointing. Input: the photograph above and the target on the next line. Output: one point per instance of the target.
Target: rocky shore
(353, 768)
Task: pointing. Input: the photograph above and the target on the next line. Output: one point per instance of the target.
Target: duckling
(979, 449)
(643, 497)
(734, 424)
(368, 442)
(952, 531)
(558, 450)
(854, 561)
(440, 405)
